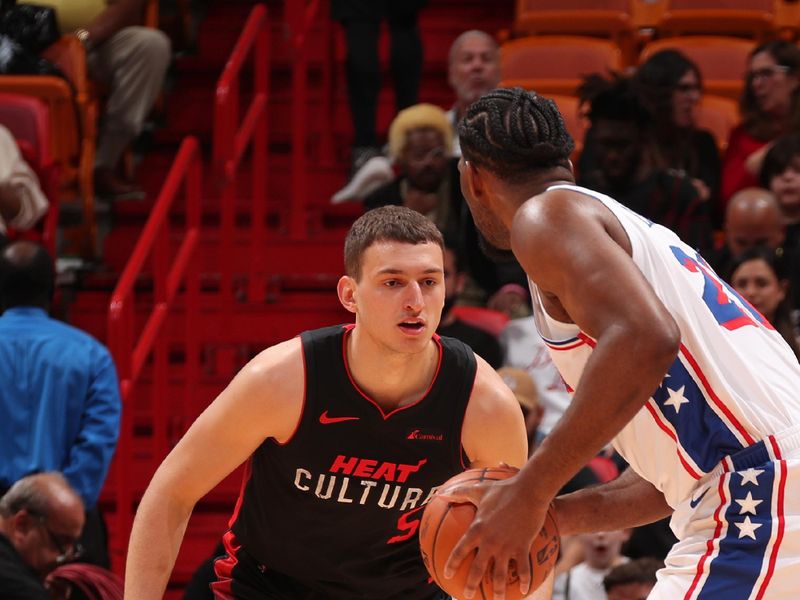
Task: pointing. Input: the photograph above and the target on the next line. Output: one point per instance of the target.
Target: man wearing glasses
(41, 518)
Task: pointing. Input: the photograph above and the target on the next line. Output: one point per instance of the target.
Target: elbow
(665, 343)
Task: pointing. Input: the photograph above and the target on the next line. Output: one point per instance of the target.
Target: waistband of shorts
(770, 448)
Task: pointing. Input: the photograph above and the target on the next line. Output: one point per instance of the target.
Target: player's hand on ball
(508, 519)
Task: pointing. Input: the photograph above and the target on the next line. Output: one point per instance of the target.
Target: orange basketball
(443, 523)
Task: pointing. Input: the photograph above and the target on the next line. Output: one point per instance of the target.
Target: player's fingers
(460, 551)
(479, 565)
(499, 579)
(524, 566)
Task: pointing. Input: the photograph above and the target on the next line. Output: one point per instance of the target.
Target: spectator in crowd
(22, 202)
(584, 581)
(131, 60)
(619, 126)
(361, 21)
(633, 580)
(672, 86)
(59, 394)
(483, 343)
(473, 70)
(520, 382)
(769, 108)
(759, 274)
(41, 518)
(780, 174)
(421, 144)
(752, 218)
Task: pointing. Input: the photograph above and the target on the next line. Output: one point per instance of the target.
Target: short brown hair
(386, 224)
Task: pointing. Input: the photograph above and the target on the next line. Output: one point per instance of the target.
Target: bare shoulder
(559, 229)
(494, 429)
(270, 388)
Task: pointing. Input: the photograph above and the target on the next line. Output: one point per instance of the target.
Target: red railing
(131, 351)
(299, 17)
(232, 138)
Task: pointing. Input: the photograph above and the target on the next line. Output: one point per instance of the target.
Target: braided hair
(514, 134)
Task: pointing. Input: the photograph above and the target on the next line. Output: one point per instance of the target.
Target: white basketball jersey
(734, 382)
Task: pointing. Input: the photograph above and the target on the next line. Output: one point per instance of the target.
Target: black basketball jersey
(336, 508)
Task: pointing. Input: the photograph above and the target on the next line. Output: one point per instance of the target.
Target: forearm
(155, 540)
(628, 501)
(617, 380)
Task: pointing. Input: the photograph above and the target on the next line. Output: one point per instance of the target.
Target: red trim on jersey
(672, 435)
(223, 568)
(248, 471)
(589, 341)
(773, 557)
(385, 415)
(709, 543)
(712, 394)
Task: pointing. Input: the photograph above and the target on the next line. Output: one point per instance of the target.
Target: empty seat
(556, 64)
(575, 119)
(722, 60)
(613, 19)
(754, 18)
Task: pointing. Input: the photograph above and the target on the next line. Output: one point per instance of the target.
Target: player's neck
(391, 379)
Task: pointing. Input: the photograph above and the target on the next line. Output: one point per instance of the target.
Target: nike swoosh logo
(695, 501)
(326, 420)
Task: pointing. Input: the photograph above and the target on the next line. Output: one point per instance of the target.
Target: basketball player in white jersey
(693, 386)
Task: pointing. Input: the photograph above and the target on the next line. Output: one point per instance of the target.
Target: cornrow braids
(514, 133)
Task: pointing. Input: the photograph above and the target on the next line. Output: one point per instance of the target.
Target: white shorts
(739, 531)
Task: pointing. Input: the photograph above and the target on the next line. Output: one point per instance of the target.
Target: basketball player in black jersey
(347, 432)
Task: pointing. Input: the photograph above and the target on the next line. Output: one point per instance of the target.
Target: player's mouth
(412, 326)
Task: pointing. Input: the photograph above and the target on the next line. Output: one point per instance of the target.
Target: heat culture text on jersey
(353, 480)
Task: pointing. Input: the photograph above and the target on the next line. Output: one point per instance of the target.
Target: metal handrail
(130, 351)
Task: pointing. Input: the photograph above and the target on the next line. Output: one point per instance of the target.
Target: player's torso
(338, 505)
(734, 381)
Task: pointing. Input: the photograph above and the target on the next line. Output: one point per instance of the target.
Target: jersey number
(719, 296)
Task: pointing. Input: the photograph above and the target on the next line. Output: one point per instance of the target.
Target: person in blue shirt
(59, 393)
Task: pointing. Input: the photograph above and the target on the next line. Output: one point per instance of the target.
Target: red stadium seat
(722, 60)
(556, 64)
(754, 18)
(28, 120)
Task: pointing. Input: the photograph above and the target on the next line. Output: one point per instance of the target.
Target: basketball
(443, 523)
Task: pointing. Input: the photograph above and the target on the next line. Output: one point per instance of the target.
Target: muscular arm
(628, 501)
(119, 14)
(563, 241)
(494, 429)
(263, 400)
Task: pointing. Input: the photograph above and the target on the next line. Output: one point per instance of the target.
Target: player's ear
(571, 166)
(471, 179)
(346, 290)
